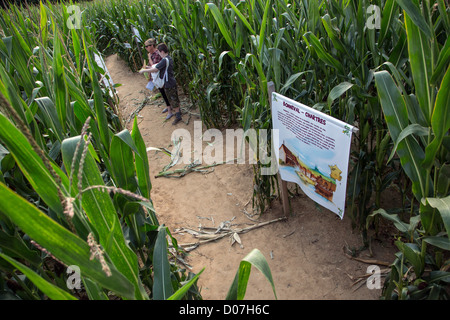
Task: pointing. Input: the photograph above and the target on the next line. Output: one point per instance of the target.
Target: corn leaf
(398, 223)
(59, 86)
(15, 248)
(93, 290)
(49, 289)
(49, 116)
(43, 23)
(239, 286)
(121, 155)
(179, 294)
(387, 18)
(440, 120)
(443, 205)
(411, 129)
(442, 62)
(262, 31)
(242, 17)
(98, 99)
(338, 91)
(162, 286)
(221, 23)
(101, 213)
(141, 162)
(412, 254)
(63, 244)
(420, 56)
(440, 242)
(396, 116)
(412, 10)
(322, 53)
(30, 164)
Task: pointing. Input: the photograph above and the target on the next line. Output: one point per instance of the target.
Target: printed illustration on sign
(324, 185)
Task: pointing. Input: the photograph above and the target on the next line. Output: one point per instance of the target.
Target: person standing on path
(154, 57)
(170, 84)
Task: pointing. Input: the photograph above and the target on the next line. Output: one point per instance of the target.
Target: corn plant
(75, 187)
(418, 120)
(318, 52)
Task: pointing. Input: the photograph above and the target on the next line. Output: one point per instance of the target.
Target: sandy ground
(305, 251)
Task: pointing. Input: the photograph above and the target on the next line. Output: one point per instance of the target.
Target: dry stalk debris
(208, 234)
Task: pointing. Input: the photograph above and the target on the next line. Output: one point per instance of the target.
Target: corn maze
(75, 188)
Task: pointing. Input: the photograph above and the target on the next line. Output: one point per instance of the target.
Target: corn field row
(382, 65)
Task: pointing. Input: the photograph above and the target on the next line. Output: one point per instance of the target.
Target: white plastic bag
(150, 85)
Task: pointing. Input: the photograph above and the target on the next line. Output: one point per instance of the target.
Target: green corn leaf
(333, 33)
(409, 130)
(239, 286)
(322, 53)
(49, 289)
(443, 10)
(16, 248)
(440, 120)
(443, 206)
(60, 87)
(9, 90)
(162, 286)
(98, 99)
(63, 244)
(396, 116)
(397, 57)
(442, 62)
(412, 254)
(291, 80)
(242, 17)
(179, 294)
(76, 48)
(141, 162)
(412, 10)
(387, 18)
(49, 116)
(262, 31)
(338, 91)
(102, 214)
(122, 162)
(23, 44)
(222, 55)
(440, 242)
(443, 184)
(313, 15)
(420, 53)
(398, 223)
(93, 290)
(30, 164)
(43, 23)
(221, 23)
(259, 69)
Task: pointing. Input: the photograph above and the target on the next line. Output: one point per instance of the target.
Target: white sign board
(313, 151)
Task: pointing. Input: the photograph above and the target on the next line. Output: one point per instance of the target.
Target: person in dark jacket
(154, 57)
(170, 85)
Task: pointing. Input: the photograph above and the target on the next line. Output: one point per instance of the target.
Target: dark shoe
(176, 120)
(165, 110)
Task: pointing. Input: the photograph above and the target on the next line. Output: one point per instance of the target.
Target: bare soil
(306, 252)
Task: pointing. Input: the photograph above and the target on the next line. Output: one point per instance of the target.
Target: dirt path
(305, 252)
